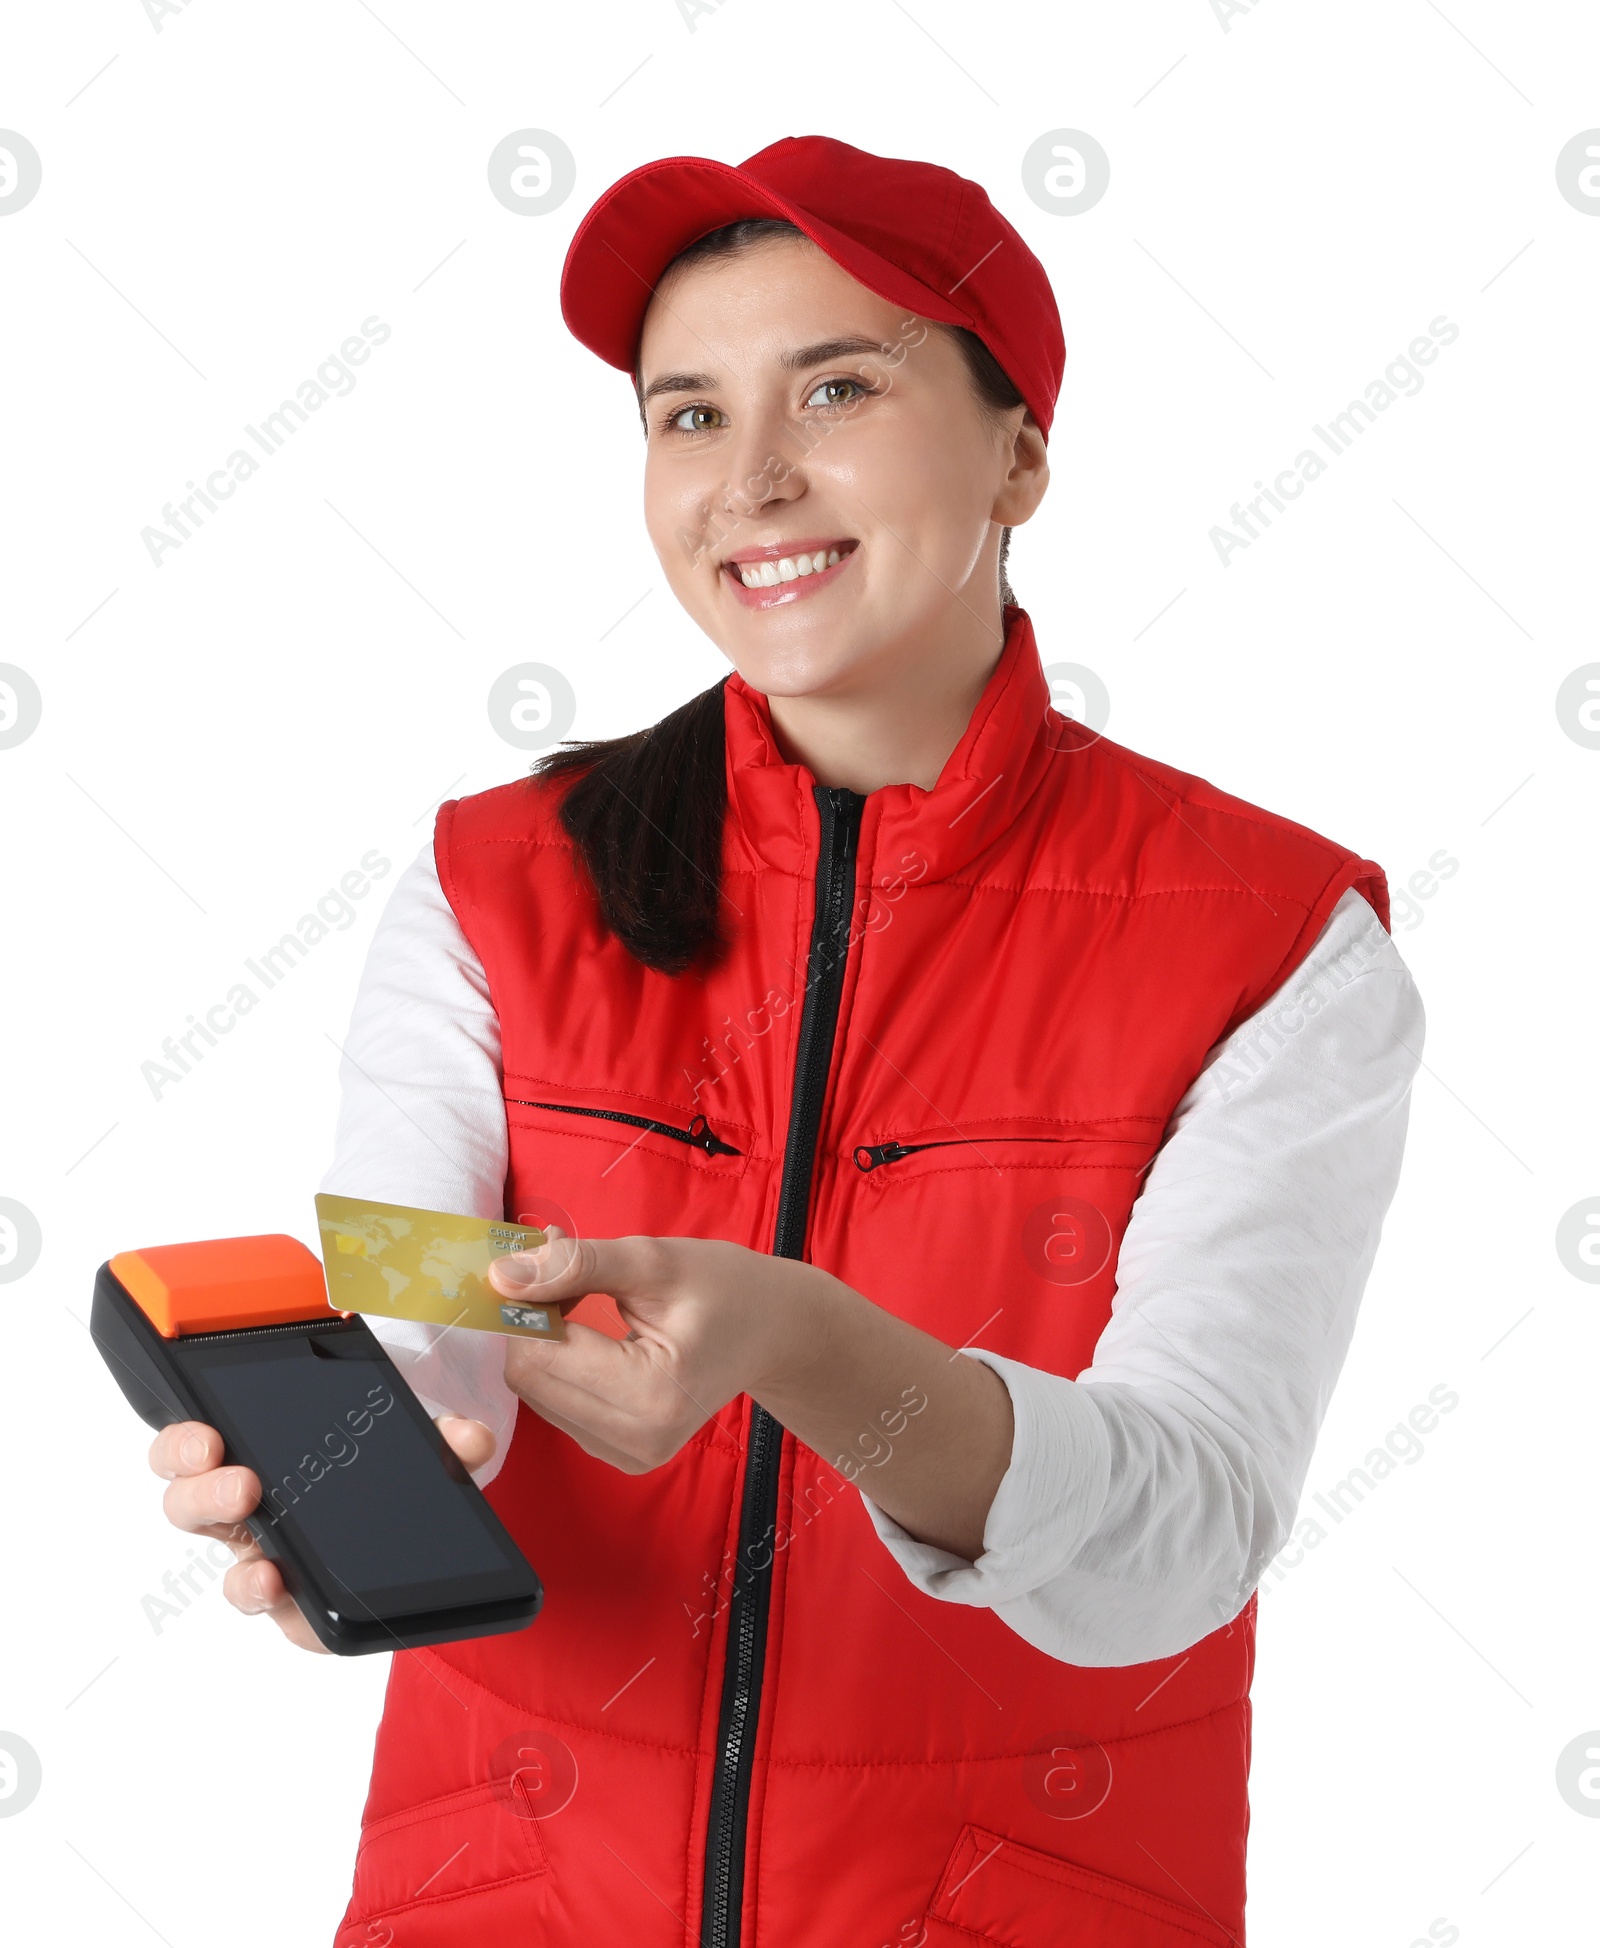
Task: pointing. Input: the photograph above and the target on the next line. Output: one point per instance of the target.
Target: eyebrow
(826, 350)
(801, 359)
(677, 382)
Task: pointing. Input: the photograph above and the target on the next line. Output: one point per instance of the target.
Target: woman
(863, 1015)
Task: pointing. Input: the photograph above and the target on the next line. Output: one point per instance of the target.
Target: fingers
(213, 1503)
(586, 1438)
(255, 1588)
(187, 1447)
(204, 1497)
(609, 1372)
(573, 1410)
(618, 1403)
(471, 1440)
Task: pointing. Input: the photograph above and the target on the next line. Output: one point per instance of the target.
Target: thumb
(542, 1264)
(634, 1271)
(472, 1442)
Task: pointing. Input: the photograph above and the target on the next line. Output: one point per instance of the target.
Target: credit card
(392, 1261)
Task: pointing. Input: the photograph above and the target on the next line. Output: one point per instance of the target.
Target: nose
(762, 472)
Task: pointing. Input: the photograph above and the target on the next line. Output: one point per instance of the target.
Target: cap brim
(640, 224)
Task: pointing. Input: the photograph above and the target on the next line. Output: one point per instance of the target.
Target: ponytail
(646, 813)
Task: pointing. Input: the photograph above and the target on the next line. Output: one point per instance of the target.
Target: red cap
(915, 234)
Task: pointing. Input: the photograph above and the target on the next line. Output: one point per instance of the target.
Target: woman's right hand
(205, 1498)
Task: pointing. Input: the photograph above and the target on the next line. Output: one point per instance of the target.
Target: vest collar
(995, 768)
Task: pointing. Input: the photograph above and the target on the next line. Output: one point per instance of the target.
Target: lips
(784, 572)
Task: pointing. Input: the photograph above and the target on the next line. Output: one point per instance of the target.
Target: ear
(1027, 476)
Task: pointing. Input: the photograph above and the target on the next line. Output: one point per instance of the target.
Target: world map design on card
(393, 1261)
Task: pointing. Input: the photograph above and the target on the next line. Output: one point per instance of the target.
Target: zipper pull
(700, 1133)
(870, 1155)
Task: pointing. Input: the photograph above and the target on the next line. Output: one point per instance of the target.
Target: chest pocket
(608, 1164)
(1010, 1144)
(1001, 1230)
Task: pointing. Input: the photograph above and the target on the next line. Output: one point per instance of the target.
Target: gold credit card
(399, 1263)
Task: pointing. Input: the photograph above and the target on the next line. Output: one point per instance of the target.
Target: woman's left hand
(707, 1320)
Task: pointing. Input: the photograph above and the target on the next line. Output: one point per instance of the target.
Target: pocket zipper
(698, 1133)
(869, 1155)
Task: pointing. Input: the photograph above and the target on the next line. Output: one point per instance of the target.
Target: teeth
(788, 568)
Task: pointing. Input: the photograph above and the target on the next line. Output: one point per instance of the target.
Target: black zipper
(698, 1132)
(840, 810)
(869, 1155)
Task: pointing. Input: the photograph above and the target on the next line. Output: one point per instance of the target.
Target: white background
(1294, 196)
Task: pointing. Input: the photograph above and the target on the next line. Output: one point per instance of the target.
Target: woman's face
(812, 439)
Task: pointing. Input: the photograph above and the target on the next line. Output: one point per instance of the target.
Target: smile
(765, 578)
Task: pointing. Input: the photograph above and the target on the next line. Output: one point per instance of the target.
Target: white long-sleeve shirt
(1144, 1499)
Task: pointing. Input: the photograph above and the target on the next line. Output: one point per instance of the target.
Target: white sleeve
(1144, 1499)
(422, 1121)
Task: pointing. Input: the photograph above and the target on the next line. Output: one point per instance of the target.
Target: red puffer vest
(939, 1056)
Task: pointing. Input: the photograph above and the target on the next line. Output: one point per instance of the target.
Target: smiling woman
(945, 1346)
(762, 362)
(831, 440)
(993, 388)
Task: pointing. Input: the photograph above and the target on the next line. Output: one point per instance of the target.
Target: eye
(697, 419)
(838, 392)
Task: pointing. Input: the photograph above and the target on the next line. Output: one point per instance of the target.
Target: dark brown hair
(646, 810)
